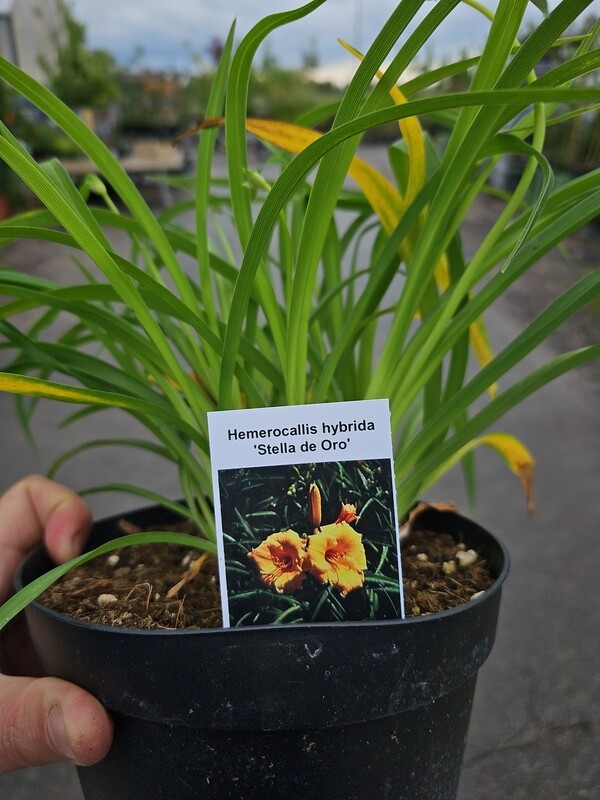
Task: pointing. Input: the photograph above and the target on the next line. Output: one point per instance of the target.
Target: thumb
(46, 719)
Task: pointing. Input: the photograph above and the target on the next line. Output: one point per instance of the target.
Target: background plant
(299, 301)
(81, 76)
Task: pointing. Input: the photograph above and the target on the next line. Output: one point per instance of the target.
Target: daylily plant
(297, 317)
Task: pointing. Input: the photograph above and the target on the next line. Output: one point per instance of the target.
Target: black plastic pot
(350, 710)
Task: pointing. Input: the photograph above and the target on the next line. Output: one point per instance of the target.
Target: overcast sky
(168, 32)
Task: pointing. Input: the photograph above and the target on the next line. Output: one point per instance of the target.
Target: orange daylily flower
(347, 514)
(280, 559)
(336, 555)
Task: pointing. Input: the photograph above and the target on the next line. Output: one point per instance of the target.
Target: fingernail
(57, 735)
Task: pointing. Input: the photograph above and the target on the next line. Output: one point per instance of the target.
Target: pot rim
(303, 627)
(409, 662)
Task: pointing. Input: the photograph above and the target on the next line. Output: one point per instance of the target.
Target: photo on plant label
(310, 543)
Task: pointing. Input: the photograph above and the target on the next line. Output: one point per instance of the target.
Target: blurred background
(139, 73)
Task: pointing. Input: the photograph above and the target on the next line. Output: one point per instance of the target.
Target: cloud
(170, 32)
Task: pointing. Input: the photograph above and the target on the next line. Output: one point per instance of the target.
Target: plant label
(306, 514)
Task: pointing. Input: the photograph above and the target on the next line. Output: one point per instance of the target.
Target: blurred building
(30, 30)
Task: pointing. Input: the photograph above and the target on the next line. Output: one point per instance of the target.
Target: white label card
(305, 508)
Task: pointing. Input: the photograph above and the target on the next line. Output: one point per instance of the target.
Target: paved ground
(535, 732)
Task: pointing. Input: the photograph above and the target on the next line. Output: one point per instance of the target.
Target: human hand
(42, 719)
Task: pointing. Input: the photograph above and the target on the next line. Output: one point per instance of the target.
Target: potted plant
(295, 319)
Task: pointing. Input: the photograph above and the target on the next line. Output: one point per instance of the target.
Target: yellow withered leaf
(49, 390)
(514, 453)
(481, 347)
(412, 133)
(383, 197)
(34, 387)
(511, 450)
(517, 456)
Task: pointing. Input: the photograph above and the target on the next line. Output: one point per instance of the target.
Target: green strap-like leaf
(34, 387)
(536, 332)
(408, 488)
(142, 444)
(28, 594)
(295, 172)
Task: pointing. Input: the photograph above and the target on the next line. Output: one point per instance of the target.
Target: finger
(36, 508)
(46, 719)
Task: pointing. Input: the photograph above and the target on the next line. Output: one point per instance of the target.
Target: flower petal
(280, 561)
(337, 555)
(347, 513)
